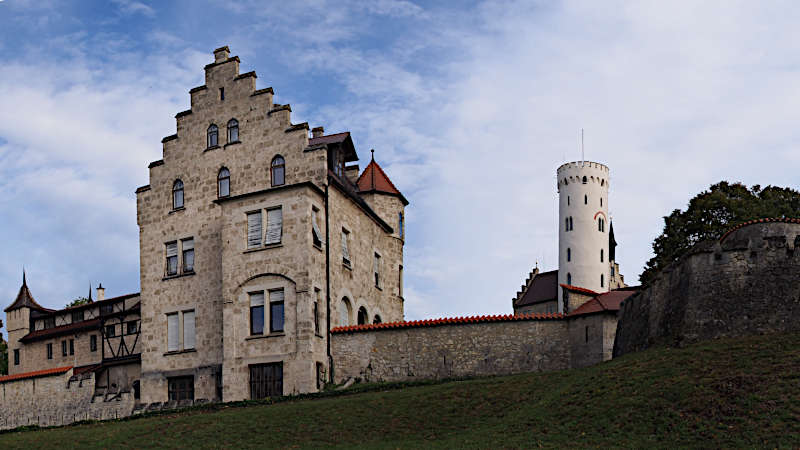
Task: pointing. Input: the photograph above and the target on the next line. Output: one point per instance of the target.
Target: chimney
(101, 292)
(317, 132)
(351, 172)
(222, 54)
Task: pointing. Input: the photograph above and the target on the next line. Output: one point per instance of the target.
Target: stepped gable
(25, 299)
(448, 321)
(608, 301)
(374, 179)
(538, 288)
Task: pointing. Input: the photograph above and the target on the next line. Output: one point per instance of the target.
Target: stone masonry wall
(445, 351)
(745, 284)
(57, 400)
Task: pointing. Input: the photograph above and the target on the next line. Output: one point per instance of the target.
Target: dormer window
(278, 171)
(233, 131)
(212, 136)
(177, 194)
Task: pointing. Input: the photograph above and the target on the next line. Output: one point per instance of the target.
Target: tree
(78, 301)
(711, 213)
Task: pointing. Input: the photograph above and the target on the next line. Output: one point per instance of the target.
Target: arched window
(177, 194)
(584, 179)
(233, 131)
(585, 199)
(377, 319)
(224, 182)
(569, 278)
(212, 136)
(601, 255)
(278, 169)
(569, 254)
(601, 225)
(602, 279)
(344, 312)
(602, 182)
(363, 317)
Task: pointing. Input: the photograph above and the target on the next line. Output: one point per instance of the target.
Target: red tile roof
(374, 179)
(329, 139)
(25, 299)
(579, 289)
(35, 374)
(448, 321)
(609, 301)
(59, 331)
(756, 221)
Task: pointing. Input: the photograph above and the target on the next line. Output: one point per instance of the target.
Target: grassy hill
(726, 393)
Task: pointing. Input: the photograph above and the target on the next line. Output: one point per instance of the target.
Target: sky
(470, 107)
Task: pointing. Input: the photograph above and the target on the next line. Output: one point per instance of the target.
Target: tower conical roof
(374, 179)
(25, 299)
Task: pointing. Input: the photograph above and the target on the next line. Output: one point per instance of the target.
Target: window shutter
(314, 226)
(257, 299)
(188, 244)
(172, 249)
(254, 229)
(345, 251)
(276, 296)
(188, 329)
(172, 333)
(274, 226)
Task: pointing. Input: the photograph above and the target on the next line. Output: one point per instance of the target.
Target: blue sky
(470, 106)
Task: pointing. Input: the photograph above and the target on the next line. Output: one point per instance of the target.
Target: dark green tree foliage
(713, 212)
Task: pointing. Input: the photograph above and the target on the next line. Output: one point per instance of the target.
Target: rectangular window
(256, 313)
(93, 343)
(188, 255)
(63, 348)
(266, 380)
(376, 269)
(274, 226)
(345, 251)
(222, 93)
(320, 376)
(173, 333)
(49, 322)
(400, 281)
(106, 309)
(77, 316)
(181, 388)
(72, 346)
(50, 351)
(316, 235)
(111, 331)
(276, 311)
(172, 258)
(188, 330)
(131, 327)
(16, 356)
(254, 229)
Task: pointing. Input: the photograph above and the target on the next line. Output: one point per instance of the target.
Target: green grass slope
(728, 393)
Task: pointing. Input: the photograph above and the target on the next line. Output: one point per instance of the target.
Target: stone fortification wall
(56, 400)
(446, 350)
(746, 283)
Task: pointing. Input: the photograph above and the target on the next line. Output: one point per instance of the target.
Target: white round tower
(583, 227)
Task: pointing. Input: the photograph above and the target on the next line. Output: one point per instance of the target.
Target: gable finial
(373, 154)
(90, 291)
(23, 276)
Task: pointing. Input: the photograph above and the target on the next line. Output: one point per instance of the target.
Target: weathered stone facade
(746, 283)
(228, 270)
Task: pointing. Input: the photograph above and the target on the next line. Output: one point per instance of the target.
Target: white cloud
(134, 7)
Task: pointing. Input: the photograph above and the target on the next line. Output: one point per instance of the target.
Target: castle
(270, 264)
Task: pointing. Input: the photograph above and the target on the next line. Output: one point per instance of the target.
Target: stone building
(255, 238)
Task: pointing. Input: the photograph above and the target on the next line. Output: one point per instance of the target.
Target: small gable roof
(25, 299)
(543, 288)
(608, 301)
(374, 179)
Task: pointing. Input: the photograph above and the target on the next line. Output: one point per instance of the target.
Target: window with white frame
(181, 331)
(187, 246)
(172, 258)
(276, 311)
(345, 250)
